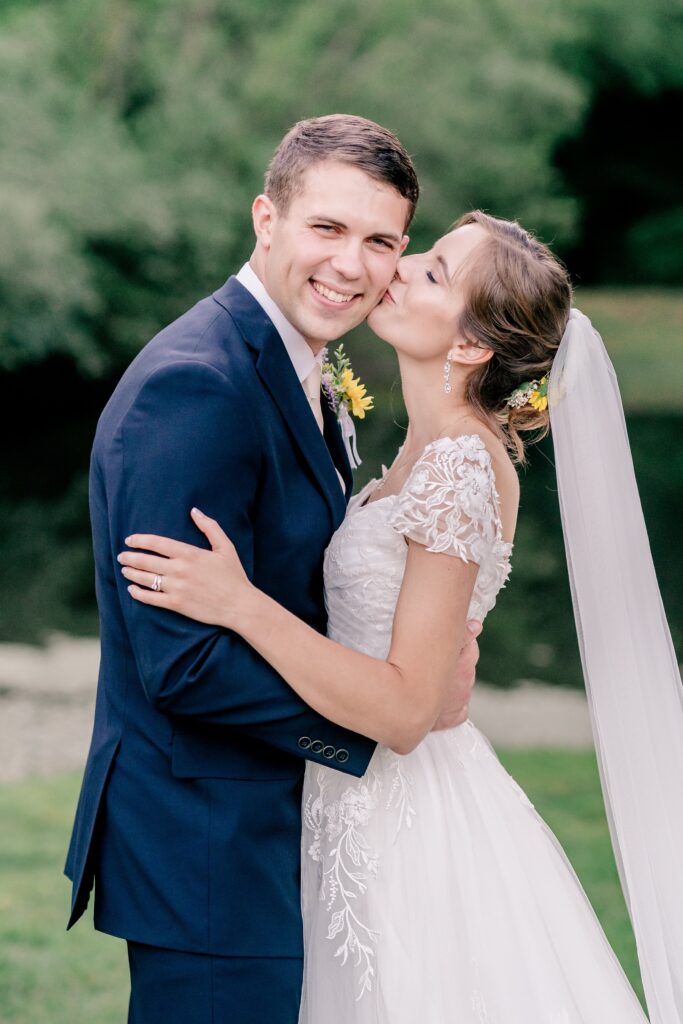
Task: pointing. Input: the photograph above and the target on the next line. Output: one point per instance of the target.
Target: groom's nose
(348, 259)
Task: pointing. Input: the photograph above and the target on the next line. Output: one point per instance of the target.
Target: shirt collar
(297, 347)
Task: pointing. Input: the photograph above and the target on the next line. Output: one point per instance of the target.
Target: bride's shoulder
(473, 455)
(476, 442)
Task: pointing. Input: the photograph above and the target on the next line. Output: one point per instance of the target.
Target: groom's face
(331, 255)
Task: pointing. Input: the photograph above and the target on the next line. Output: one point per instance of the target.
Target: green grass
(50, 977)
(46, 975)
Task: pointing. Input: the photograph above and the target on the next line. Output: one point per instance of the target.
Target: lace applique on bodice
(449, 503)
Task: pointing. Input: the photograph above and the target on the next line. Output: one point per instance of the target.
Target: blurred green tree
(136, 132)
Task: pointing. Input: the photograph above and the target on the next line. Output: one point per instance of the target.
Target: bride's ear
(469, 353)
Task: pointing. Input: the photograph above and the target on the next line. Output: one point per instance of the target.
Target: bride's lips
(331, 303)
(389, 296)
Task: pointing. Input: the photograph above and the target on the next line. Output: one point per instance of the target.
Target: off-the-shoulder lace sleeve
(449, 501)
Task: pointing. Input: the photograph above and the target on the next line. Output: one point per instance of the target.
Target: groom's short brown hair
(347, 139)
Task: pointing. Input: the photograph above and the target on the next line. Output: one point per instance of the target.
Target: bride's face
(419, 312)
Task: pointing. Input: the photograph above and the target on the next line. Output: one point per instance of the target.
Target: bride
(431, 889)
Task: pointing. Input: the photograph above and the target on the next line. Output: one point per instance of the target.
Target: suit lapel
(275, 369)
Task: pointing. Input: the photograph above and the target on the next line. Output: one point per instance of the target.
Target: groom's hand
(456, 707)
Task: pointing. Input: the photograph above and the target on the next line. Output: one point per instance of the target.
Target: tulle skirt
(433, 893)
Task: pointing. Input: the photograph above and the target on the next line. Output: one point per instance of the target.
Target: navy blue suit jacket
(189, 815)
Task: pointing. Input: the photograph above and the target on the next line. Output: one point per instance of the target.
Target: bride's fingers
(150, 563)
(210, 528)
(145, 579)
(160, 545)
(157, 598)
(474, 628)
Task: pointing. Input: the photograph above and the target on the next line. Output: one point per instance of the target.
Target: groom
(189, 816)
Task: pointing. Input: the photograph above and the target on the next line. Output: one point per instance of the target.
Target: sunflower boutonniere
(340, 386)
(346, 396)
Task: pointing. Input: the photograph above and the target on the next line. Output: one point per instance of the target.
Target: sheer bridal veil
(632, 678)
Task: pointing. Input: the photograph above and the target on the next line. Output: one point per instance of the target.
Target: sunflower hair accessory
(346, 397)
(533, 392)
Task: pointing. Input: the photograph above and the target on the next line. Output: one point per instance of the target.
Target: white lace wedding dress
(432, 892)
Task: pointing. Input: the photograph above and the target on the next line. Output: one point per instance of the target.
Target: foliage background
(135, 134)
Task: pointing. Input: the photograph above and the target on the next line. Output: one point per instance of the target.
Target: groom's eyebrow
(389, 235)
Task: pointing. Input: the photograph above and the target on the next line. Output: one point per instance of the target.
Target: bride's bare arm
(396, 701)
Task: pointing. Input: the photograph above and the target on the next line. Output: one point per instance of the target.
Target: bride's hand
(203, 585)
(456, 708)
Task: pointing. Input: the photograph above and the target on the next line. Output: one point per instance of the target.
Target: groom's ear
(263, 215)
(404, 244)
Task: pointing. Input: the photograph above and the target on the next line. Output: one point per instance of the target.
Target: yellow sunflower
(539, 401)
(355, 392)
(539, 396)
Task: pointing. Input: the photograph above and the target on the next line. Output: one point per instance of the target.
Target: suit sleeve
(188, 439)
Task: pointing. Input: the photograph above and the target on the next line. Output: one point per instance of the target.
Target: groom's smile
(330, 294)
(329, 256)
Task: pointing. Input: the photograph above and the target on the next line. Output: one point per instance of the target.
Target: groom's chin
(330, 330)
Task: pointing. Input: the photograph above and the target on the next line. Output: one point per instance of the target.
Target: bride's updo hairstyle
(518, 297)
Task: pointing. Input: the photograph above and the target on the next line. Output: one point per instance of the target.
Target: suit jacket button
(342, 756)
(316, 746)
(329, 752)
(304, 742)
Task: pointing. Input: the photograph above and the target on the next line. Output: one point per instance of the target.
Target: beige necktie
(311, 386)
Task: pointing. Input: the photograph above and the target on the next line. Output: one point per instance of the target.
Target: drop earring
(447, 387)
